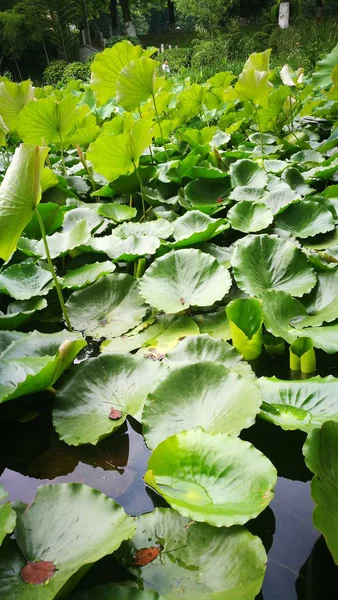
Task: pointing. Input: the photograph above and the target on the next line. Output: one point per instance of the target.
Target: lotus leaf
(13, 97)
(184, 278)
(305, 219)
(19, 312)
(67, 528)
(113, 591)
(217, 479)
(250, 217)
(107, 308)
(7, 515)
(79, 278)
(248, 173)
(25, 280)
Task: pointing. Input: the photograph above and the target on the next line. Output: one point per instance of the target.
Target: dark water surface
(299, 564)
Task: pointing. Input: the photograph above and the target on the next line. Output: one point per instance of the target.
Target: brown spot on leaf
(115, 414)
(37, 572)
(182, 301)
(144, 556)
(219, 200)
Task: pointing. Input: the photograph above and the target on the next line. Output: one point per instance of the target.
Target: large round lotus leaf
(305, 219)
(198, 561)
(7, 515)
(100, 393)
(262, 263)
(247, 172)
(246, 193)
(281, 310)
(156, 347)
(299, 404)
(201, 394)
(59, 243)
(321, 304)
(51, 215)
(160, 228)
(113, 591)
(205, 194)
(218, 479)
(25, 280)
(321, 451)
(184, 278)
(66, 528)
(34, 361)
(79, 278)
(107, 308)
(281, 197)
(126, 249)
(195, 227)
(195, 349)
(19, 312)
(137, 82)
(117, 212)
(249, 217)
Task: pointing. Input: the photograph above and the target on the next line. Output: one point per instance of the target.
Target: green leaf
(305, 219)
(190, 102)
(52, 217)
(247, 172)
(68, 526)
(25, 280)
(321, 304)
(297, 404)
(113, 591)
(207, 195)
(116, 155)
(302, 356)
(215, 324)
(250, 217)
(184, 278)
(107, 66)
(198, 561)
(19, 312)
(20, 193)
(47, 120)
(259, 61)
(246, 318)
(296, 181)
(277, 200)
(206, 348)
(195, 227)
(324, 69)
(119, 385)
(206, 394)
(79, 278)
(107, 308)
(246, 193)
(13, 97)
(136, 83)
(262, 263)
(7, 515)
(60, 243)
(217, 479)
(253, 86)
(31, 362)
(117, 212)
(127, 247)
(320, 451)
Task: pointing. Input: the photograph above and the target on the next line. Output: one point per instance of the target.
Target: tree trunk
(319, 16)
(113, 17)
(87, 28)
(127, 20)
(243, 12)
(284, 15)
(171, 15)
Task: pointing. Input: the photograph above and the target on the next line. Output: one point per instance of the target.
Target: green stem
(150, 150)
(140, 268)
(88, 170)
(160, 128)
(141, 188)
(260, 131)
(51, 268)
(62, 157)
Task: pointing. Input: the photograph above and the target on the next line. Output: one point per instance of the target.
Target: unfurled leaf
(250, 217)
(48, 120)
(216, 479)
(323, 76)
(24, 280)
(13, 97)
(247, 172)
(137, 82)
(253, 86)
(184, 278)
(117, 212)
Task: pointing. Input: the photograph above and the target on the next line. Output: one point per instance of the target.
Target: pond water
(32, 455)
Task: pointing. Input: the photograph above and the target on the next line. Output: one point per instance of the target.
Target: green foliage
(177, 58)
(210, 55)
(54, 72)
(115, 39)
(76, 70)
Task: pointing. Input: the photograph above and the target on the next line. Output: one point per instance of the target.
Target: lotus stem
(160, 127)
(52, 270)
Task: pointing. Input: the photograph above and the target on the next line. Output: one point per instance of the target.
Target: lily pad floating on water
(203, 394)
(107, 308)
(217, 479)
(197, 561)
(184, 278)
(100, 393)
(302, 405)
(262, 263)
(66, 529)
(320, 451)
(7, 515)
(31, 362)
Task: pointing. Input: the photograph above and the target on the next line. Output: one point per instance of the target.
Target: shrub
(53, 74)
(210, 54)
(177, 58)
(120, 38)
(76, 70)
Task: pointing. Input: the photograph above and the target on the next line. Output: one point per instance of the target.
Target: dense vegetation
(176, 238)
